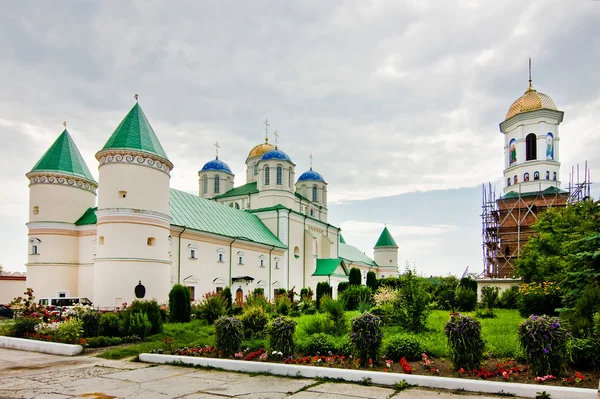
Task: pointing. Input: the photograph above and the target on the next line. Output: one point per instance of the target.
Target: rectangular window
(290, 178)
(267, 176)
(220, 257)
(122, 194)
(262, 263)
(219, 289)
(240, 260)
(36, 210)
(276, 264)
(151, 241)
(192, 293)
(34, 250)
(193, 253)
(279, 175)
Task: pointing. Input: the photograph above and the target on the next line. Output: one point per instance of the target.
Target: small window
(526, 176)
(290, 177)
(34, 249)
(296, 252)
(36, 210)
(547, 175)
(122, 194)
(312, 212)
(530, 147)
(205, 185)
(276, 264)
(101, 240)
(515, 180)
(279, 180)
(508, 181)
(267, 176)
(151, 241)
(192, 293)
(240, 260)
(219, 289)
(553, 175)
(314, 193)
(383, 276)
(221, 257)
(237, 206)
(192, 253)
(255, 168)
(262, 263)
(217, 185)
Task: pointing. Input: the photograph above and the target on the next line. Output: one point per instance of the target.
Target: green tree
(180, 309)
(413, 310)
(355, 277)
(372, 281)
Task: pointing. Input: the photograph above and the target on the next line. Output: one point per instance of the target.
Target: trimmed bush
(464, 341)
(543, 340)
(323, 288)
(226, 293)
(372, 281)
(411, 309)
(139, 324)
(101, 341)
(70, 331)
(283, 305)
(343, 286)
(258, 292)
(508, 298)
(404, 345)
(180, 308)
(281, 335)
(152, 310)
(355, 277)
(466, 299)
(111, 325)
(255, 320)
(229, 333)
(211, 307)
(366, 337)
(354, 295)
(319, 343)
(91, 324)
(24, 325)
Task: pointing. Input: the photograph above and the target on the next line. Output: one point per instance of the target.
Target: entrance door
(239, 296)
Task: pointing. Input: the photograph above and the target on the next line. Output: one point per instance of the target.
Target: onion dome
(276, 154)
(261, 149)
(530, 101)
(216, 165)
(311, 175)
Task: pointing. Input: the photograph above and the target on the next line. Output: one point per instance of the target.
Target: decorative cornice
(104, 212)
(62, 179)
(538, 113)
(132, 157)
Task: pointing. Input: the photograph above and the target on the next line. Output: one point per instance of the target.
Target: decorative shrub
(306, 294)
(280, 291)
(336, 313)
(538, 298)
(139, 324)
(412, 309)
(180, 308)
(466, 299)
(465, 342)
(70, 331)
(366, 337)
(355, 277)
(151, 309)
(111, 325)
(319, 324)
(583, 353)
(101, 341)
(226, 293)
(281, 335)
(468, 283)
(24, 325)
(258, 292)
(489, 297)
(319, 343)
(261, 302)
(443, 292)
(283, 305)
(91, 324)
(364, 306)
(372, 281)
(254, 320)
(385, 295)
(323, 288)
(307, 307)
(403, 345)
(543, 339)
(508, 298)
(229, 332)
(343, 286)
(354, 295)
(211, 307)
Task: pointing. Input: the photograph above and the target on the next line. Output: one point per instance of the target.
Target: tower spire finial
(266, 122)
(530, 85)
(217, 146)
(136, 98)
(311, 159)
(65, 124)
(276, 137)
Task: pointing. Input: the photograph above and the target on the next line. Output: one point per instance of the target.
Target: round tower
(61, 190)
(312, 186)
(276, 171)
(133, 222)
(531, 143)
(215, 178)
(386, 250)
(254, 157)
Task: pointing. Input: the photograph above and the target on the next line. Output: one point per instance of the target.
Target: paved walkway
(35, 375)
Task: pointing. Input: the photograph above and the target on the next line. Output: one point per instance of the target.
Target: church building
(101, 239)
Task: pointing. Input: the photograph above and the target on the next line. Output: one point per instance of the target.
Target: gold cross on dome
(311, 159)
(217, 146)
(276, 137)
(266, 122)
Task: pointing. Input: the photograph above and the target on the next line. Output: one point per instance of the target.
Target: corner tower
(215, 178)
(133, 222)
(386, 250)
(61, 190)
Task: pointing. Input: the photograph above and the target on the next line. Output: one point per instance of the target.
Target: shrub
(323, 288)
(70, 331)
(179, 304)
(508, 298)
(281, 335)
(139, 324)
(464, 341)
(466, 299)
(319, 343)
(343, 286)
(101, 341)
(254, 320)
(307, 307)
(226, 293)
(91, 324)
(211, 307)
(258, 292)
(372, 281)
(538, 299)
(489, 296)
(354, 295)
(151, 309)
(468, 283)
(111, 325)
(404, 345)
(412, 310)
(366, 337)
(319, 324)
(280, 291)
(336, 313)
(583, 353)
(543, 340)
(229, 332)
(306, 294)
(261, 302)
(252, 345)
(355, 277)
(385, 294)
(444, 292)
(24, 325)
(283, 305)
(364, 306)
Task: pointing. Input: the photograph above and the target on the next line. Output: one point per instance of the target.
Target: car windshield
(85, 301)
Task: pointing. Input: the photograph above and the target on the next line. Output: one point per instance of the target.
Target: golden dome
(530, 101)
(261, 149)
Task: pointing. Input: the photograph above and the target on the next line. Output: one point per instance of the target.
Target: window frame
(267, 176)
(205, 185)
(279, 175)
(217, 185)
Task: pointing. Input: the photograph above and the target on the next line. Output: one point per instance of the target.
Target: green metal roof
(63, 157)
(279, 206)
(209, 216)
(386, 239)
(135, 133)
(246, 189)
(548, 191)
(342, 241)
(328, 266)
(88, 217)
(355, 255)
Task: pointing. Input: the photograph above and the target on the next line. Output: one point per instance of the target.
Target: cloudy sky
(399, 102)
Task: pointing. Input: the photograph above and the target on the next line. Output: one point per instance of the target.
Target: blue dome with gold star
(276, 154)
(217, 165)
(311, 175)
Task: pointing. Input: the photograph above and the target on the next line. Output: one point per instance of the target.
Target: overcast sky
(399, 102)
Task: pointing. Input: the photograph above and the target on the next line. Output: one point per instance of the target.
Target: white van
(65, 302)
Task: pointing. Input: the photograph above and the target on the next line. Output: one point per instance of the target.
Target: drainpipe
(230, 259)
(304, 254)
(179, 257)
(338, 243)
(277, 222)
(288, 245)
(270, 269)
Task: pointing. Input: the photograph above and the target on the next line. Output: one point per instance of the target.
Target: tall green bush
(111, 325)
(281, 335)
(355, 276)
(211, 307)
(254, 320)
(336, 313)
(372, 281)
(152, 309)
(70, 331)
(139, 324)
(366, 337)
(489, 297)
(544, 339)
(226, 293)
(508, 298)
(342, 286)
(283, 305)
(465, 342)
(323, 288)
(354, 295)
(412, 311)
(180, 308)
(466, 299)
(229, 333)
(91, 324)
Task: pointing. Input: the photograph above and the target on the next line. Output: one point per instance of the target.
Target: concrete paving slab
(182, 385)
(352, 390)
(261, 384)
(219, 375)
(150, 374)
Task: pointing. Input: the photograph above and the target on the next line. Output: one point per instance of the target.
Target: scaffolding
(507, 220)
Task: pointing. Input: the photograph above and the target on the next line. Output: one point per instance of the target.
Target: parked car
(64, 302)
(5, 311)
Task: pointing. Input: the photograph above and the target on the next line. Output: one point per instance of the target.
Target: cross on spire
(311, 159)
(136, 98)
(266, 122)
(65, 124)
(276, 137)
(530, 85)
(217, 146)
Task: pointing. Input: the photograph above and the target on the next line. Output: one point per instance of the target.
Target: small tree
(413, 310)
(489, 296)
(180, 308)
(343, 286)
(226, 293)
(372, 281)
(355, 277)
(323, 288)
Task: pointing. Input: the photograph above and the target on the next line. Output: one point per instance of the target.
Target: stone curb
(377, 377)
(32, 345)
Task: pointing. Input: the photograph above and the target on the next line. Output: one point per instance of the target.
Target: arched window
(279, 180)
(515, 179)
(255, 168)
(553, 175)
(267, 176)
(324, 194)
(526, 176)
(508, 181)
(530, 147)
(36, 210)
(314, 193)
(290, 177)
(35, 246)
(204, 185)
(237, 206)
(217, 185)
(547, 175)
(549, 146)
(536, 175)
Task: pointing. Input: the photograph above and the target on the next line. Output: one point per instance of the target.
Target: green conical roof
(342, 239)
(386, 239)
(63, 157)
(135, 133)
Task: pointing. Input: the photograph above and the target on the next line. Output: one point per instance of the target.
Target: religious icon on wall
(526, 176)
(536, 175)
(515, 179)
(547, 175)
(513, 151)
(549, 146)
